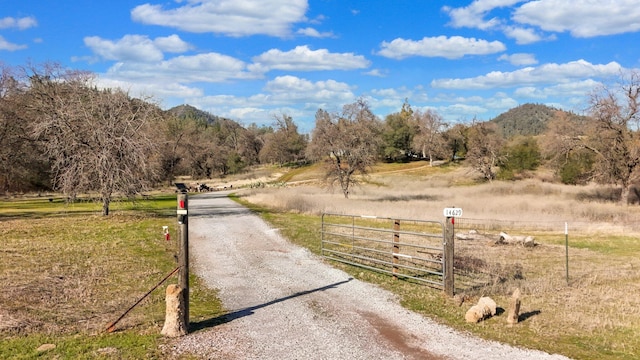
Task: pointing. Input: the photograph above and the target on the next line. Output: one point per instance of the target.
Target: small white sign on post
(452, 212)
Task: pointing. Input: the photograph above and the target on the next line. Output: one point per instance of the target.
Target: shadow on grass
(527, 315)
(223, 319)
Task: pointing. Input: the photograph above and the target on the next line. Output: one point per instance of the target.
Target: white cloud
(472, 16)
(172, 43)
(138, 48)
(230, 17)
(519, 59)
(290, 88)
(158, 91)
(6, 45)
(547, 73)
(522, 35)
(304, 59)
(570, 89)
(448, 47)
(20, 23)
(377, 73)
(208, 67)
(311, 32)
(587, 18)
(287, 90)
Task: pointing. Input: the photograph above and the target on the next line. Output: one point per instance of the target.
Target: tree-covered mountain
(186, 111)
(528, 119)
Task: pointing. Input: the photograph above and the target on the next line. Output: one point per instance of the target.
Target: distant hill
(188, 111)
(527, 120)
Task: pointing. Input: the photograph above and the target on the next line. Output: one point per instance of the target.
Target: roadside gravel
(286, 303)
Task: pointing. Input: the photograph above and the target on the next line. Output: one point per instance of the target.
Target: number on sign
(452, 212)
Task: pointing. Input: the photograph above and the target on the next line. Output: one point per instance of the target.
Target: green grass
(124, 345)
(68, 273)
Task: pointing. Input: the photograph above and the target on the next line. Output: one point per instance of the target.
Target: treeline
(59, 131)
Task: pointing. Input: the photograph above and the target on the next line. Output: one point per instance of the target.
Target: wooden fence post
(448, 257)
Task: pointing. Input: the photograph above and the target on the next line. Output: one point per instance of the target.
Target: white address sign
(452, 212)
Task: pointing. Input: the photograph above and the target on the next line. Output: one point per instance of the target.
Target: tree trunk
(105, 205)
(624, 197)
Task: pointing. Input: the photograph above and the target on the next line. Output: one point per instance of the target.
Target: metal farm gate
(412, 249)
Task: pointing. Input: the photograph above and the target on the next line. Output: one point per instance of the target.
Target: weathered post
(448, 257)
(450, 215)
(183, 256)
(396, 247)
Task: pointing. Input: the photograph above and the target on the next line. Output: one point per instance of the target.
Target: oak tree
(429, 140)
(347, 143)
(97, 140)
(484, 146)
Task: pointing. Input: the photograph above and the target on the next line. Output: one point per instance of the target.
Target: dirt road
(286, 303)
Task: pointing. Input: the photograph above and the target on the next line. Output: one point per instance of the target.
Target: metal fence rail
(411, 249)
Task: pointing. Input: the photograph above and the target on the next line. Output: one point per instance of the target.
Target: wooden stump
(174, 322)
(514, 308)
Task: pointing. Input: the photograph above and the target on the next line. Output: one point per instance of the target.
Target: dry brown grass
(75, 274)
(598, 309)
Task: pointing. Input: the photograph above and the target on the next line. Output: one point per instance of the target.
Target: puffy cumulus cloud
(304, 59)
(500, 102)
(399, 95)
(447, 47)
(208, 67)
(544, 74)
(229, 17)
(291, 88)
(473, 16)
(519, 59)
(156, 90)
(570, 89)
(172, 43)
(522, 35)
(585, 18)
(311, 32)
(138, 48)
(9, 46)
(18, 23)
(461, 112)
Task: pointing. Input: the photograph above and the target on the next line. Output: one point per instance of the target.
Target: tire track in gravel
(286, 303)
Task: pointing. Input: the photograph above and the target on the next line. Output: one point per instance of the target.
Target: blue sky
(251, 60)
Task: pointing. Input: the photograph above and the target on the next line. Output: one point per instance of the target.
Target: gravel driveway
(286, 303)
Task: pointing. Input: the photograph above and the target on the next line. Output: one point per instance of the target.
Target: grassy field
(595, 315)
(68, 272)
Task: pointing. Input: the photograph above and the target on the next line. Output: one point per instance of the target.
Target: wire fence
(495, 256)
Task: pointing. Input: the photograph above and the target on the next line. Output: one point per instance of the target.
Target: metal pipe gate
(411, 249)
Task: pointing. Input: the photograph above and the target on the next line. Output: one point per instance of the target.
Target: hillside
(527, 120)
(188, 111)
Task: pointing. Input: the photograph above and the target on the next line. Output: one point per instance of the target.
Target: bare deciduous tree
(22, 167)
(429, 140)
(285, 144)
(610, 133)
(616, 115)
(484, 145)
(97, 140)
(348, 143)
